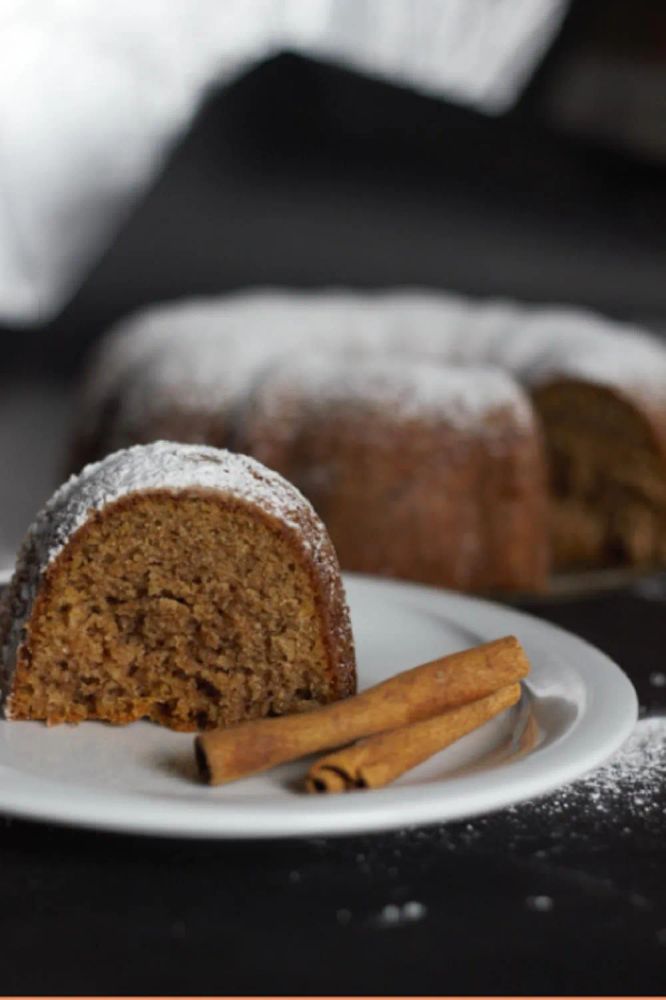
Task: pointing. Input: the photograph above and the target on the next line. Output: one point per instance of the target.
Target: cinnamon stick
(378, 760)
(225, 755)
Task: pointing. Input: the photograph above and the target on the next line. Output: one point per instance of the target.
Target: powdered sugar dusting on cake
(402, 389)
(551, 344)
(163, 465)
(209, 375)
(159, 466)
(207, 352)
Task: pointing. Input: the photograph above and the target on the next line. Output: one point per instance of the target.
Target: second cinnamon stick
(378, 760)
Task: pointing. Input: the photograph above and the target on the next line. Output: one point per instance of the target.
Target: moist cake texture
(182, 584)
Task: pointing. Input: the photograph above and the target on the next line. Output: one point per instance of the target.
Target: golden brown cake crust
(168, 600)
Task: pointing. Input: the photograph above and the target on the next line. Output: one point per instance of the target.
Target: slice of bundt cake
(419, 471)
(177, 583)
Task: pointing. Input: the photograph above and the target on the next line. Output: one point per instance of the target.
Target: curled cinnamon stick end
(375, 762)
(225, 755)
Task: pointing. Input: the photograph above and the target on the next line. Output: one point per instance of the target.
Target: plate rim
(610, 710)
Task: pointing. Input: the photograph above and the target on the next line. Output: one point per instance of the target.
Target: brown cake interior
(184, 609)
(608, 487)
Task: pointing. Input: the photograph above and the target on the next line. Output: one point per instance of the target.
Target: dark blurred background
(304, 173)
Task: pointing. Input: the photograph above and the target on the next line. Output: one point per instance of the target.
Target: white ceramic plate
(578, 709)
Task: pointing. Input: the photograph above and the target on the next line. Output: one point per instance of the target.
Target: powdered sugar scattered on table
(539, 904)
(626, 785)
(560, 843)
(627, 782)
(619, 799)
(397, 915)
(621, 802)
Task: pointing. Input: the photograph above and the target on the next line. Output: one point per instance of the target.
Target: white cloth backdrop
(92, 94)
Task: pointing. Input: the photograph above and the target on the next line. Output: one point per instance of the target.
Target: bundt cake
(178, 583)
(419, 471)
(172, 373)
(598, 389)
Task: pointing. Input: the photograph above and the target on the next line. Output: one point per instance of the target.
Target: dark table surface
(562, 896)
